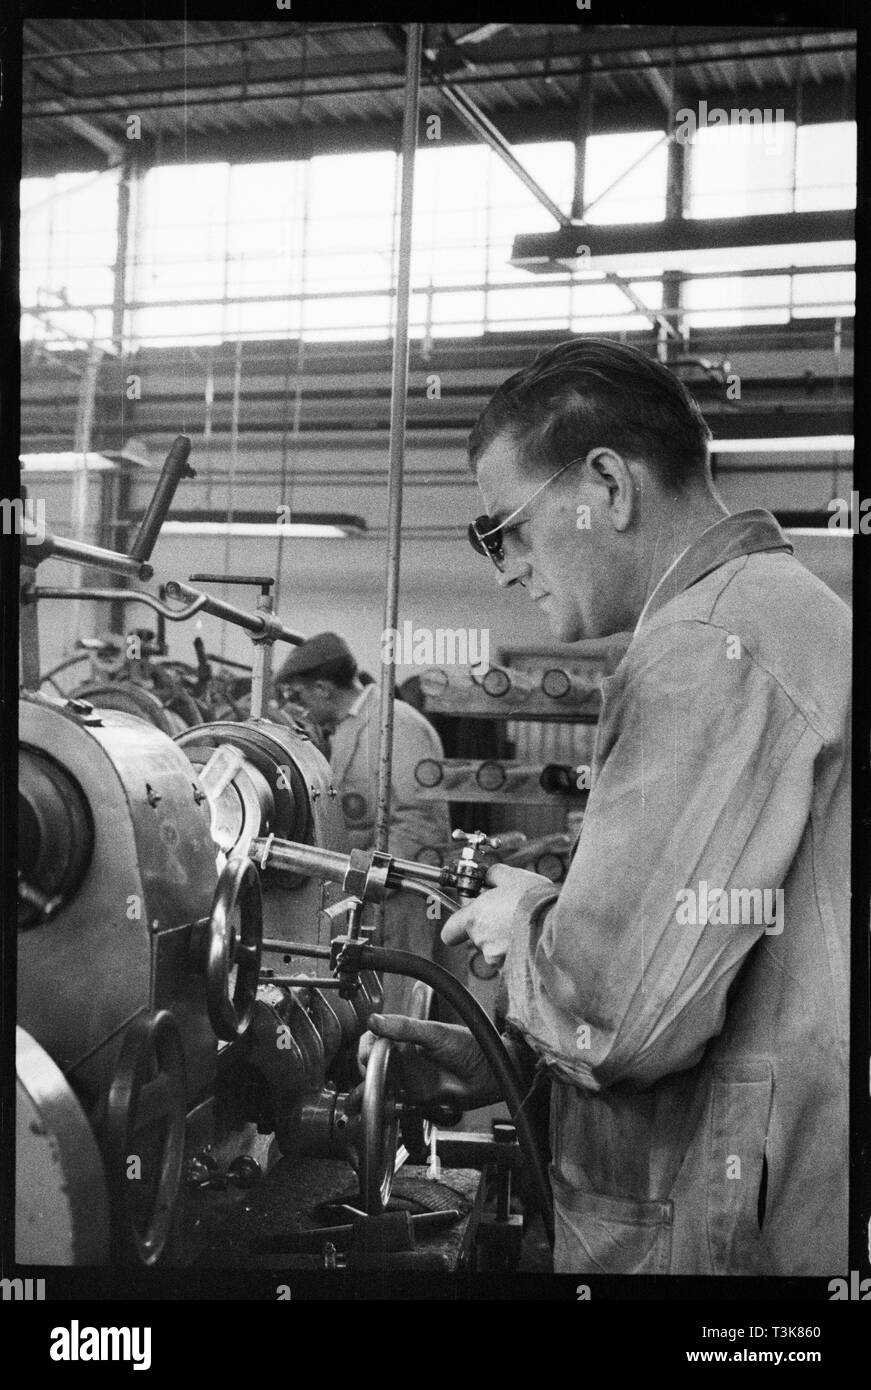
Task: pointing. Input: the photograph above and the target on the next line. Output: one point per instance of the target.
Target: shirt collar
(360, 700)
(742, 533)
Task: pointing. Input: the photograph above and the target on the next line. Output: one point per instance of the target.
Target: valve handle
(474, 838)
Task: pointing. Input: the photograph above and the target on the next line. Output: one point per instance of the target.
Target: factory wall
(339, 584)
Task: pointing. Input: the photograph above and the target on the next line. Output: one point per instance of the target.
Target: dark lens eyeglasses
(487, 535)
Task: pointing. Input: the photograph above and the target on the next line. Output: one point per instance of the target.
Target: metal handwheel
(221, 949)
(145, 1137)
(414, 1131)
(379, 1125)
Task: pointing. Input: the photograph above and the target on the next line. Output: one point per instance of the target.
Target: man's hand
(439, 1061)
(493, 918)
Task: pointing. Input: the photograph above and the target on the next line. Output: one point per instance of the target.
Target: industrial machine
(194, 972)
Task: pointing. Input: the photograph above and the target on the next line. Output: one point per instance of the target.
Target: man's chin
(564, 628)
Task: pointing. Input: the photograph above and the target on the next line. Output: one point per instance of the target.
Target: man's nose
(516, 572)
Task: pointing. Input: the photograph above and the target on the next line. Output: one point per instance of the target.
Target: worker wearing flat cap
(686, 987)
(321, 675)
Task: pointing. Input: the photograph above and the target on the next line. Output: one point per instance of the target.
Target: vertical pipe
(677, 163)
(84, 429)
(582, 133)
(398, 393)
(234, 459)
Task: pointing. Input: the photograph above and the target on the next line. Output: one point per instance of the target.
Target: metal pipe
(292, 857)
(295, 948)
(473, 117)
(175, 615)
(78, 553)
(398, 394)
(262, 625)
(295, 859)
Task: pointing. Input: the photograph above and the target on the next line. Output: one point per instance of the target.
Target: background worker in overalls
(321, 675)
(699, 1059)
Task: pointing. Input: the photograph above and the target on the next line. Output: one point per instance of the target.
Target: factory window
(68, 248)
(264, 250)
(746, 171)
(350, 246)
(743, 170)
(825, 166)
(624, 177)
(468, 209)
(181, 254)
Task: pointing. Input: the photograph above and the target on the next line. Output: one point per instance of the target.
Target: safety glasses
(487, 534)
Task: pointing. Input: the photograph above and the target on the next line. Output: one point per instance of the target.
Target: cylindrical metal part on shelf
(491, 776)
(428, 772)
(556, 683)
(434, 682)
(508, 775)
(559, 778)
(498, 682)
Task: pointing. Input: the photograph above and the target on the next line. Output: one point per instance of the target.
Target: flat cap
(316, 652)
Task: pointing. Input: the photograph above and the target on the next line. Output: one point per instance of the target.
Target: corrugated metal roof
(352, 73)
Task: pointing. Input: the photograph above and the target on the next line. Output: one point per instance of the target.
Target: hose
(425, 890)
(382, 959)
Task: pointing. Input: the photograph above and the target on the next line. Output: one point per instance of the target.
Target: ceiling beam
(539, 251)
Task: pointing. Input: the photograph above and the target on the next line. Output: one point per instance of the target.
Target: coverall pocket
(596, 1234)
(737, 1164)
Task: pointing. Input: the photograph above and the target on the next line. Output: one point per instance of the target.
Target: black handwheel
(221, 949)
(378, 1127)
(145, 1137)
(414, 1131)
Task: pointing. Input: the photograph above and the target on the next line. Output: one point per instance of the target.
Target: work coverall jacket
(414, 823)
(700, 1054)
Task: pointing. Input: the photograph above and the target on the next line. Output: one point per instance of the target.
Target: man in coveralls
(687, 985)
(321, 675)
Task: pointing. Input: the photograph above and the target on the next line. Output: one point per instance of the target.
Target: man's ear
(612, 472)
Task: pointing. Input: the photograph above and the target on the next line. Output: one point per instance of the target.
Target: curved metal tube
(175, 615)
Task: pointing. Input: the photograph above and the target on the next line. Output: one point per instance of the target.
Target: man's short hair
(594, 392)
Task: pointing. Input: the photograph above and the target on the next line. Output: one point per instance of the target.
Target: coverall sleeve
(414, 822)
(704, 781)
